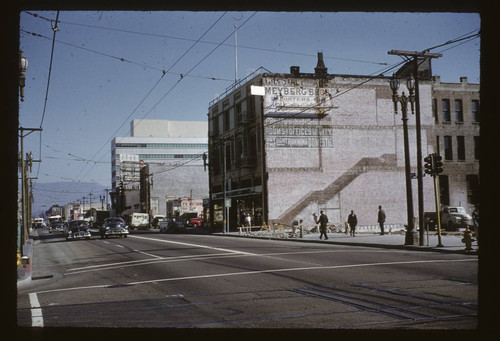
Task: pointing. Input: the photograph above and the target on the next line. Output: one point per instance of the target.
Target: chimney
(295, 70)
(463, 80)
(320, 70)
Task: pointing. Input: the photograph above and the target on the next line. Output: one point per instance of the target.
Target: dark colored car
(172, 226)
(77, 229)
(57, 226)
(114, 227)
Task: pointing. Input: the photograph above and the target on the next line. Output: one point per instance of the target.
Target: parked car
(113, 227)
(170, 225)
(77, 229)
(454, 217)
(156, 220)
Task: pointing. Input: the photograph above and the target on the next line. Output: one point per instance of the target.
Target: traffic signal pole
(436, 199)
(433, 166)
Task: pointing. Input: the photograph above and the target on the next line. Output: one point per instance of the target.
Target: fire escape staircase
(386, 161)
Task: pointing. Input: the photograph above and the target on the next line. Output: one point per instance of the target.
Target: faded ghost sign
(296, 133)
(293, 109)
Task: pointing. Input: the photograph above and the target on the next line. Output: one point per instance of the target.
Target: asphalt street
(154, 280)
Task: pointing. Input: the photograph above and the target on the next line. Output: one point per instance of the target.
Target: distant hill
(61, 193)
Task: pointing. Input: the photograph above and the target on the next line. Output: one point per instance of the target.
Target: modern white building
(172, 149)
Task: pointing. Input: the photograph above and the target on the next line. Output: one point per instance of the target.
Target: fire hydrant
(467, 239)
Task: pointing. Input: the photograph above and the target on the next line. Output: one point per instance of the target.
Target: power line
(182, 76)
(54, 29)
(124, 60)
(211, 42)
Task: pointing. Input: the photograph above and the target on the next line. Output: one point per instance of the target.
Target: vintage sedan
(170, 225)
(77, 229)
(57, 226)
(114, 226)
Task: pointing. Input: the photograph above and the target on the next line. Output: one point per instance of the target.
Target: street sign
(228, 202)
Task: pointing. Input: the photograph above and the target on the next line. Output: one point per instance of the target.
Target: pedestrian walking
(322, 221)
(381, 219)
(475, 220)
(315, 218)
(352, 220)
(248, 220)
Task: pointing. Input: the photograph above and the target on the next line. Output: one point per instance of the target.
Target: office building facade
(172, 150)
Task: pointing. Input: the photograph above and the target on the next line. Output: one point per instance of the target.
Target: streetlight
(404, 100)
(23, 66)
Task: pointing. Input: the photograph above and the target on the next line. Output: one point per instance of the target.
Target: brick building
(289, 145)
(456, 133)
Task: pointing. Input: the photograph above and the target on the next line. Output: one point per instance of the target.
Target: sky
(108, 68)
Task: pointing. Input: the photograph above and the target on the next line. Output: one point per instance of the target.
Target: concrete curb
(385, 246)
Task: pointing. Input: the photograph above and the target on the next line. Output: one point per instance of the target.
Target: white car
(454, 217)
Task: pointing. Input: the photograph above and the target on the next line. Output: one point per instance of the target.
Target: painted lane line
(142, 261)
(150, 261)
(290, 269)
(263, 271)
(118, 245)
(149, 254)
(36, 311)
(195, 245)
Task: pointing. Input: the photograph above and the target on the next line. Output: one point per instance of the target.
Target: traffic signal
(438, 165)
(429, 164)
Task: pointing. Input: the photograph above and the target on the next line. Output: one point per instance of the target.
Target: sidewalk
(24, 271)
(451, 241)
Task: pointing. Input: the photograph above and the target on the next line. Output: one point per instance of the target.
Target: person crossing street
(322, 221)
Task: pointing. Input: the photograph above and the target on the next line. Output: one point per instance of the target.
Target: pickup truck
(454, 217)
(196, 222)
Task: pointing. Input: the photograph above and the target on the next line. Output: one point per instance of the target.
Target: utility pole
(225, 215)
(24, 185)
(107, 190)
(415, 55)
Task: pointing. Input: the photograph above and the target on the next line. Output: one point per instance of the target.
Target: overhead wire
(187, 73)
(54, 29)
(213, 43)
(121, 59)
(126, 120)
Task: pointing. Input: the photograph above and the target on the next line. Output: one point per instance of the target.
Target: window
(472, 189)
(237, 113)
(446, 110)
(461, 148)
(476, 147)
(437, 145)
(444, 190)
(215, 126)
(475, 111)
(228, 156)
(226, 120)
(448, 153)
(434, 109)
(459, 114)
